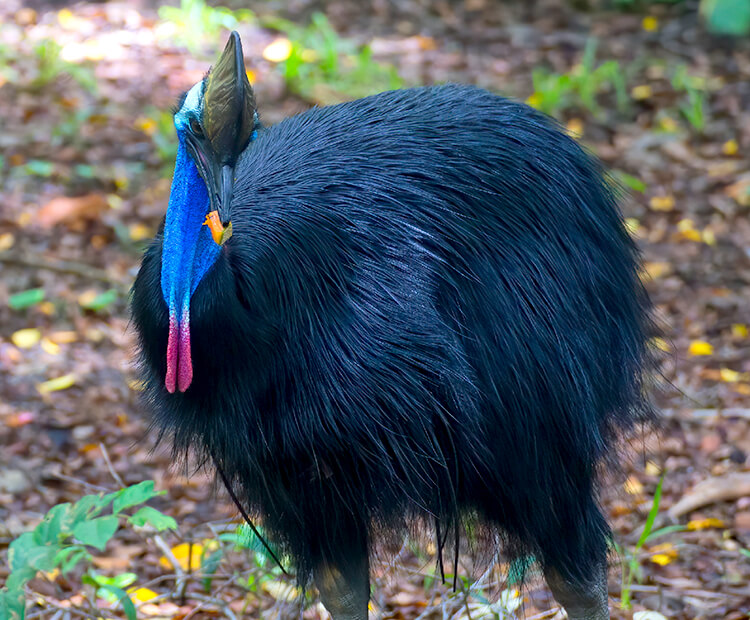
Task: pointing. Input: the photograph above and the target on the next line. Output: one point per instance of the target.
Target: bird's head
(215, 121)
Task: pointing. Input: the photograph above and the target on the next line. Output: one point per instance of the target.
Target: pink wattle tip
(185, 369)
(179, 360)
(172, 355)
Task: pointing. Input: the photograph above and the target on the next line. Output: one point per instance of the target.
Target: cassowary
(421, 306)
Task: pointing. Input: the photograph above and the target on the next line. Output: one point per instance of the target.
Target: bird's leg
(345, 587)
(581, 601)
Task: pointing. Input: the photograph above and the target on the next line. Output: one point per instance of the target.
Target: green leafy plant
(631, 558)
(50, 66)
(555, 93)
(198, 25)
(327, 68)
(694, 108)
(66, 534)
(729, 17)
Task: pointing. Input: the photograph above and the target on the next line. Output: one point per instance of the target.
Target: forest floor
(85, 149)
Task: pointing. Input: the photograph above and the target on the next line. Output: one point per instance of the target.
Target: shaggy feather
(429, 307)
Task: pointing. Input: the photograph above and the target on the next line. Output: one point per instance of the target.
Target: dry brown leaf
(712, 490)
(64, 210)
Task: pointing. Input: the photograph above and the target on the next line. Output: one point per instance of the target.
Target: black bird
(419, 306)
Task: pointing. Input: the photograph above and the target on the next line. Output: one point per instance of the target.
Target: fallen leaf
(189, 557)
(6, 241)
(730, 147)
(22, 418)
(641, 92)
(142, 595)
(704, 524)
(26, 338)
(740, 330)
(663, 554)
(278, 50)
(648, 615)
(650, 23)
(57, 384)
(633, 486)
(67, 210)
(661, 203)
(50, 347)
(711, 490)
(700, 347)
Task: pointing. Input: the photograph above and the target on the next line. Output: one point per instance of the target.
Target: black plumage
(429, 308)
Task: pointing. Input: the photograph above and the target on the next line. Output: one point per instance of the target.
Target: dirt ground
(84, 181)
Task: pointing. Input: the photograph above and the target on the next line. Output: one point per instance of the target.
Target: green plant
(631, 558)
(694, 109)
(554, 92)
(197, 25)
(50, 66)
(327, 68)
(730, 17)
(66, 534)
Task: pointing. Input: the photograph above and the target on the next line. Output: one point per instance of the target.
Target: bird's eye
(196, 128)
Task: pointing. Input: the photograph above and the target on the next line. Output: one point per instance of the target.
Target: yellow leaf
(26, 338)
(650, 23)
(46, 307)
(730, 147)
(278, 50)
(633, 225)
(575, 128)
(534, 100)
(6, 241)
(142, 595)
(633, 486)
(661, 203)
(85, 299)
(685, 224)
(691, 234)
(53, 574)
(309, 55)
(641, 92)
(146, 125)
(740, 331)
(742, 388)
(187, 555)
(708, 237)
(65, 17)
(729, 376)
(139, 232)
(63, 337)
(664, 554)
(704, 524)
(661, 344)
(700, 347)
(250, 75)
(281, 591)
(652, 469)
(57, 384)
(656, 269)
(136, 385)
(50, 347)
(668, 124)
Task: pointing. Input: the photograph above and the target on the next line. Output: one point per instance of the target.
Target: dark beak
(219, 179)
(226, 186)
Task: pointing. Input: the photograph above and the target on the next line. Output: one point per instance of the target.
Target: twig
(81, 270)
(54, 605)
(218, 602)
(111, 468)
(89, 485)
(181, 581)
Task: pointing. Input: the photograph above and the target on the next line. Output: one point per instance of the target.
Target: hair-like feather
(429, 307)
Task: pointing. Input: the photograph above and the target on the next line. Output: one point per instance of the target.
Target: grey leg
(581, 602)
(345, 589)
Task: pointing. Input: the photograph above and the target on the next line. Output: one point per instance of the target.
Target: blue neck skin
(188, 252)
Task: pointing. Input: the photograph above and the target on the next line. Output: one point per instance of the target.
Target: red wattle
(185, 368)
(172, 355)
(179, 359)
